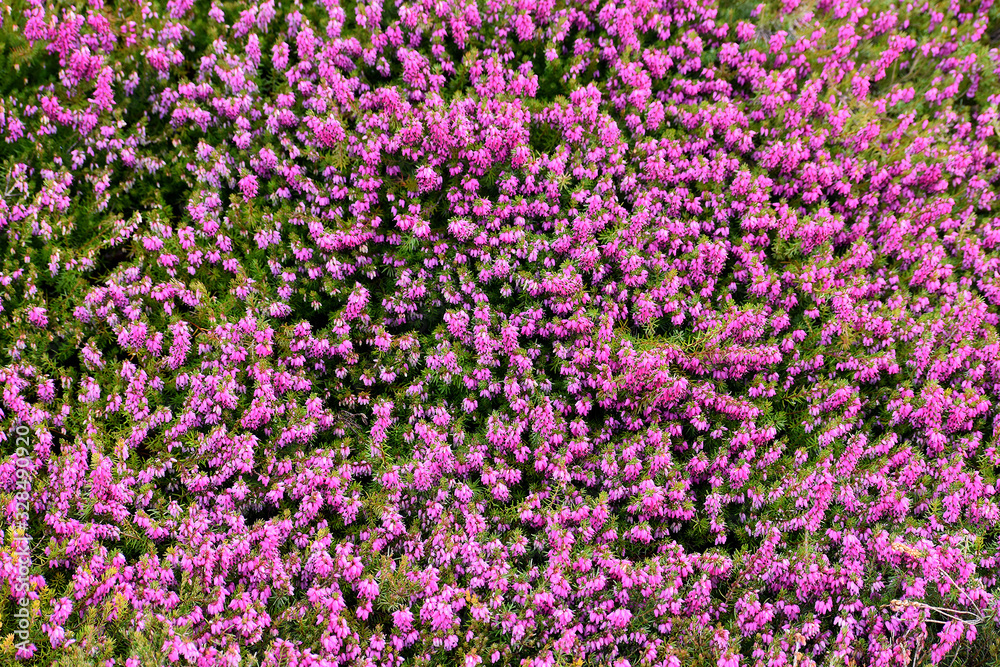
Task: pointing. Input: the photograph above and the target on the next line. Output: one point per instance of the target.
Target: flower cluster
(508, 332)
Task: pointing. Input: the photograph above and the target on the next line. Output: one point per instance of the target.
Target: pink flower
(37, 316)
(248, 186)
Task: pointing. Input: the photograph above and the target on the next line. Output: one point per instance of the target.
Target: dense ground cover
(506, 332)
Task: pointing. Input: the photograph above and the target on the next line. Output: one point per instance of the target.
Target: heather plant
(502, 333)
